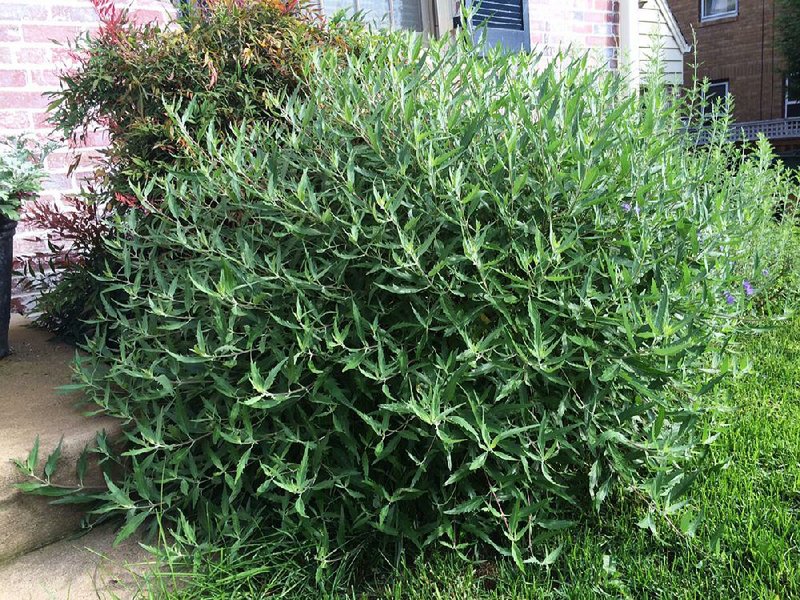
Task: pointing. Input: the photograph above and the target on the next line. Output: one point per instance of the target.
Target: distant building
(736, 52)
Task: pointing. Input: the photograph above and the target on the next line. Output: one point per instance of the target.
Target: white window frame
(707, 107)
(442, 14)
(723, 82)
(787, 102)
(439, 18)
(704, 18)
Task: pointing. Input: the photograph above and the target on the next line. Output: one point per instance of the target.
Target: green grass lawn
(750, 504)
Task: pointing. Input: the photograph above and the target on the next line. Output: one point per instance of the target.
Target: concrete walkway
(85, 568)
(30, 406)
(29, 403)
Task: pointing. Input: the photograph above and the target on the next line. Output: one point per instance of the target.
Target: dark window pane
(715, 96)
(716, 91)
(793, 89)
(714, 8)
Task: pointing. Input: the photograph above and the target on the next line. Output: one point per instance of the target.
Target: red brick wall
(33, 52)
(740, 49)
(592, 24)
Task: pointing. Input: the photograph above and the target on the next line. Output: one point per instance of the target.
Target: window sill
(707, 22)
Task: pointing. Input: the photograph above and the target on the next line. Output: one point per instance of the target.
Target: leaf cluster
(21, 173)
(62, 277)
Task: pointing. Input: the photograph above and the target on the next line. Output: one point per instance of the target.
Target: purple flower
(765, 272)
(748, 289)
(637, 210)
(626, 206)
(730, 298)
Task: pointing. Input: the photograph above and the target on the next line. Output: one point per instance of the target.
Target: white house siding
(655, 29)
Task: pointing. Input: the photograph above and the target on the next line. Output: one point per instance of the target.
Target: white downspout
(629, 41)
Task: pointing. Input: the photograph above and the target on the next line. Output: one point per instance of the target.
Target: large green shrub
(442, 298)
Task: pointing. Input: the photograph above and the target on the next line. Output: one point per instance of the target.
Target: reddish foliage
(126, 199)
(18, 306)
(286, 6)
(111, 18)
(74, 232)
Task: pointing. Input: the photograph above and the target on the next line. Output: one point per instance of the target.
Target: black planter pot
(7, 228)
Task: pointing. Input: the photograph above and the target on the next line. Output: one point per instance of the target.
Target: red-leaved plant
(112, 20)
(62, 278)
(75, 230)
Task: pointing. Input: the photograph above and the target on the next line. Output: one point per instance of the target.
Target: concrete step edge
(28, 521)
